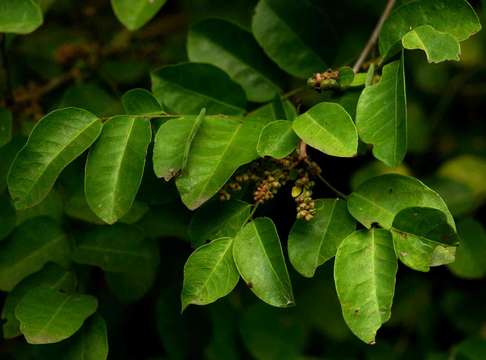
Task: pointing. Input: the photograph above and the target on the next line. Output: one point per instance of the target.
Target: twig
(327, 183)
(374, 36)
(302, 151)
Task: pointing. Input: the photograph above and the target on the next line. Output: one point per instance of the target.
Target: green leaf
(277, 139)
(48, 316)
(276, 110)
(293, 35)
(471, 252)
(381, 198)
(8, 216)
(187, 88)
(132, 286)
(135, 13)
(51, 275)
(209, 273)
(459, 197)
(220, 147)
(473, 348)
(93, 98)
(312, 243)
(217, 220)
(115, 165)
(56, 140)
(469, 170)
(140, 102)
(455, 17)
(20, 16)
(234, 50)
(52, 207)
(381, 115)
(34, 243)
(438, 46)
(364, 272)
(116, 248)
(8, 153)
(373, 169)
(77, 208)
(224, 334)
(260, 261)
(328, 128)
(173, 143)
(5, 126)
(91, 342)
(418, 232)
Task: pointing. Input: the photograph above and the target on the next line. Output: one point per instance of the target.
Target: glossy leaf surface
(312, 243)
(364, 272)
(57, 139)
(115, 165)
(210, 273)
(381, 115)
(259, 258)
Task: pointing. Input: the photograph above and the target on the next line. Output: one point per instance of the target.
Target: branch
(374, 36)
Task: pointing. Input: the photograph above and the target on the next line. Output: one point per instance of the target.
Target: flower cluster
(326, 80)
(302, 193)
(269, 176)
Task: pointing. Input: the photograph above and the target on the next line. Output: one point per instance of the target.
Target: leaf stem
(374, 36)
(250, 216)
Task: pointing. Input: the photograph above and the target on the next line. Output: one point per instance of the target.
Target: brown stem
(302, 151)
(374, 36)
